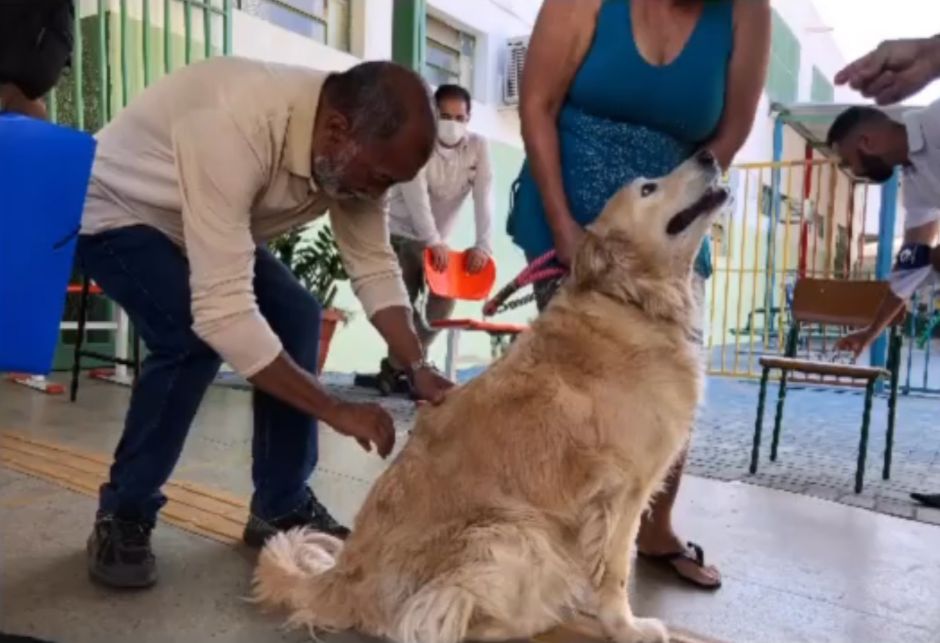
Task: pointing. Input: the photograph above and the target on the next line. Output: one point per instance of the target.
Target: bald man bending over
(189, 181)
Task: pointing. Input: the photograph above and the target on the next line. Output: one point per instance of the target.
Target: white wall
(253, 37)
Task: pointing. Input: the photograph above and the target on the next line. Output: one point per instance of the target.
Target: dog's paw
(649, 630)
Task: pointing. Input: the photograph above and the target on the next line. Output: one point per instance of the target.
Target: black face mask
(874, 168)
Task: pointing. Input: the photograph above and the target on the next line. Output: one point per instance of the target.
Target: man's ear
(337, 127)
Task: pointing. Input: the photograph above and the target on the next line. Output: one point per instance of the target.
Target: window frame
(321, 19)
(463, 77)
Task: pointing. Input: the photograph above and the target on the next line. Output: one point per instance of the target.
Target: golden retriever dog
(514, 505)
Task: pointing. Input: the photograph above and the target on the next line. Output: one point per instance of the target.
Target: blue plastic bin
(44, 172)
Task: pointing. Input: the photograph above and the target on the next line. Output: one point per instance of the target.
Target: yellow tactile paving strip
(192, 507)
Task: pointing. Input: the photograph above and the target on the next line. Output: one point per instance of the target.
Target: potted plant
(316, 262)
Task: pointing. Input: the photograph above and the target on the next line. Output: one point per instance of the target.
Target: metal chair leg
(79, 339)
(863, 440)
(136, 339)
(778, 416)
(759, 422)
(895, 368)
(450, 361)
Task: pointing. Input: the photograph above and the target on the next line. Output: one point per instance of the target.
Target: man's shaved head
(869, 142)
(375, 127)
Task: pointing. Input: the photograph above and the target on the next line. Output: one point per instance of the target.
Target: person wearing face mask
(423, 212)
(871, 145)
(189, 182)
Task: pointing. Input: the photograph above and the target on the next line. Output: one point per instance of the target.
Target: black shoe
(312, 515)
(119, 553)
(392, 381)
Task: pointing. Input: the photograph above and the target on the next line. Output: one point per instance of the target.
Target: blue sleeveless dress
(624, 118)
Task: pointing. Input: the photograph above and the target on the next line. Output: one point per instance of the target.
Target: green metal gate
(121, 47)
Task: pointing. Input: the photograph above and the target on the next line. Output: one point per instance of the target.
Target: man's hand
(370, 424)
(475, 260)
(440, 255)
(567, 241)
(855, 342)
(895, 70)
(430, 385)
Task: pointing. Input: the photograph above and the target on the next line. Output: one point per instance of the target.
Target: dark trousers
(148, 276)
(410, 255)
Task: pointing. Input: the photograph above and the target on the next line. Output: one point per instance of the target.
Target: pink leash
(538, 270)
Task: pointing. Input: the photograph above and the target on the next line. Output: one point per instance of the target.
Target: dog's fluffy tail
(296, 570)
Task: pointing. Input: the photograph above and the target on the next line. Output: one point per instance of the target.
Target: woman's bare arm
(560, 39)
(747, 71)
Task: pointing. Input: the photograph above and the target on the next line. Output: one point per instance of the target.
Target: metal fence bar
(782, 326)
(762, 298)
(757, 237)
(52, 105)
(147, 50)
(167, 33)
(227, 30)
(207, 14)
(747, 203)
(78, 95)
(724, 315)
(187, 31)
(105, 108)
(122, 54)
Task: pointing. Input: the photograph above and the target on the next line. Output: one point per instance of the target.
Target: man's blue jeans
(148, 276)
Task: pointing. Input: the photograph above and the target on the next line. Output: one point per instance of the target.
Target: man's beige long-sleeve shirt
(217, 157)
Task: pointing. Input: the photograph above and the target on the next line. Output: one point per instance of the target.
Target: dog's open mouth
(713, 198)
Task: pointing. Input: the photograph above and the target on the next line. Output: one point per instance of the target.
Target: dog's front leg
(622, 517)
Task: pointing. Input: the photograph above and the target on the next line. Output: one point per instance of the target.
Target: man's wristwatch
(420, 365)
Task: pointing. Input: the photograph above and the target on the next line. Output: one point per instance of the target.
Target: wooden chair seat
(853, 371)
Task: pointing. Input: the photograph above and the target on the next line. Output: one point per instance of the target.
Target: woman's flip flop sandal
(692, 553)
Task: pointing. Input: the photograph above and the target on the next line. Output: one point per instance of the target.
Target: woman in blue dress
(617, 89)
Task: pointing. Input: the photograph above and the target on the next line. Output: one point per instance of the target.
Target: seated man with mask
(423, 212)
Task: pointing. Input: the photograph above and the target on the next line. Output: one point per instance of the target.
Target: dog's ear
(593, 260)
(603, 260)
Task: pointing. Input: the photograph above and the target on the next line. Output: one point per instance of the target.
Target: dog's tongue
(713, 198)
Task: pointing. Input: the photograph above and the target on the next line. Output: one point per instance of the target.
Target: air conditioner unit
(516, 49)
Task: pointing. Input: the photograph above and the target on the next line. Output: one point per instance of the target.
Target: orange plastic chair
(456, 283)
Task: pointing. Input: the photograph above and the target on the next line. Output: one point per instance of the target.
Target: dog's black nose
(705, 157)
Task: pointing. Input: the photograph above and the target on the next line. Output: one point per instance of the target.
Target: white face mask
(451, 132)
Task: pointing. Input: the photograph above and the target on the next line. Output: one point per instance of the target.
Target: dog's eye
(647, 189)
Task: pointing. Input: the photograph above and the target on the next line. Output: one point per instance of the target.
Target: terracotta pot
(331, 318)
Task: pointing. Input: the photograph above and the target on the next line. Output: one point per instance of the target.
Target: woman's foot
(687, 561)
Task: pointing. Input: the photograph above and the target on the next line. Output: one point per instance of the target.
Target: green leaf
(313, 259)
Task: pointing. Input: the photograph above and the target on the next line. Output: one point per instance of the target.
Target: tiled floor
(796, 568)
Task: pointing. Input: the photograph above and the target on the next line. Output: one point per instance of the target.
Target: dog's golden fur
(515, 503)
